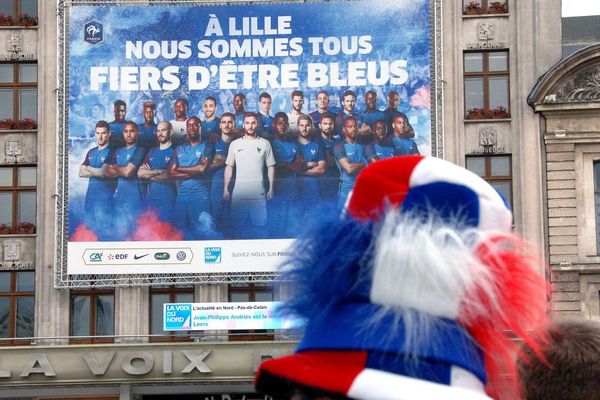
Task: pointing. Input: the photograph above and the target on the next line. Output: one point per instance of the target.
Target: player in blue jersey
(297, 100)
(117, 125)
(382, 146)
(350, 158)
(371, 113)
(99, 196)
(290, 162)
(147, 138)
(349, 104)
(314, 156)
(219, 209)
(323, 106)
(402, 136)
(162, 190)
(249, 155)
(179, 123)
(239, 105)
(189, 166)
(210, 125)
(265, 128)
(330, 180)
(393, 101)
(128, 195)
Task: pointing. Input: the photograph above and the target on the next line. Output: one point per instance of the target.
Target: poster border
(62, 279)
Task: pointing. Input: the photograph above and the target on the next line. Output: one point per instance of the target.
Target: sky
(576, 8)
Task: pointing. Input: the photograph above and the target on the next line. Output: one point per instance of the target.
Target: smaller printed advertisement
(226, 316)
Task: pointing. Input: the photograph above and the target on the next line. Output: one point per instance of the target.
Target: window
(92, 316)
(597, 202)
(474, 7)
(17, 199)
(17, 290)
(18, 12)
(18, 95)
(248, 292)
(486, 80)
(160, 296)
(496, 170)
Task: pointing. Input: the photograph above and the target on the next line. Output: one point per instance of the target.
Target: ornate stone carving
(487, 137)
(583, 86)
(14, 43)
(12, 250)
(13, 148)
(486, 31)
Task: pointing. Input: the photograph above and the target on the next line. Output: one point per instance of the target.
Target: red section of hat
(380, 185)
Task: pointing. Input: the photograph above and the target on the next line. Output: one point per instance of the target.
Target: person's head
(148, 110)
(281, 123)
(130, 133)
(371, 100)
(322, 100)
(209, 107)
(164, 130)
(297, 100)
(379, 130)
(227, 123)
(304, 126)
(250, 123)
(239, 102)
(399, 125)
(350, 128)
(193, 126)
(180, 108)
(97, 111)
(393, 100)
(570, 368)
(102, 133)
(264, 103)
(119, 110)
(327, 123)
(349, 100)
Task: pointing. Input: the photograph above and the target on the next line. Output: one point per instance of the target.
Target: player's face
(350, 128)
(192, 127)
(371, 100)
(393, 101)
(163, 133)
(180, 109)
(322, 101)
(265, 105)
(304, 128)
(379, 130)
(209, 108)
(349, 102)
(96, 112)
(120, 112)
(326, 126)
(130, 134)
(281, 125)
(238, 104)
(148, 114)
(399, 125)
(297, 103)
(226, 124)
(102, 135)
(250, 125)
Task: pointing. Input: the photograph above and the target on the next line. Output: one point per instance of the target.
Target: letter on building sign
(98, 368)
(148, 363)
(167, 362)
(196, 361)
(39, 364)
(258, 356)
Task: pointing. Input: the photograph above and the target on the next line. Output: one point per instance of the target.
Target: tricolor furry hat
(411, 293)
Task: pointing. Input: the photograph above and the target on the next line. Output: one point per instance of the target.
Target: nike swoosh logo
(136, 257)
(240, 149)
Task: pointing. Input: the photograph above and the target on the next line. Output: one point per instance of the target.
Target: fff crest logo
(93, 32)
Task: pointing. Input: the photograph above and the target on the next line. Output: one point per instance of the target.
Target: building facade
(108, 342)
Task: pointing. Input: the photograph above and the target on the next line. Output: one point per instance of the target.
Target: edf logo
(93, 32)
(212, 255)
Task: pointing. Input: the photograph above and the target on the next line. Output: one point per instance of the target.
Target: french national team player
(350, 158)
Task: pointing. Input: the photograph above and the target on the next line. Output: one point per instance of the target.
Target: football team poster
(202, 138)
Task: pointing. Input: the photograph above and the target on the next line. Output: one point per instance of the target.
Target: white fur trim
(493, 213)
(423, 266)
(379, 385)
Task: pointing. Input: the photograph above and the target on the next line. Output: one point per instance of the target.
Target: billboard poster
(226, 316)
(201, 138)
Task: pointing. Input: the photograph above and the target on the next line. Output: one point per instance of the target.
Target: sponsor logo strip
(95, 256)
